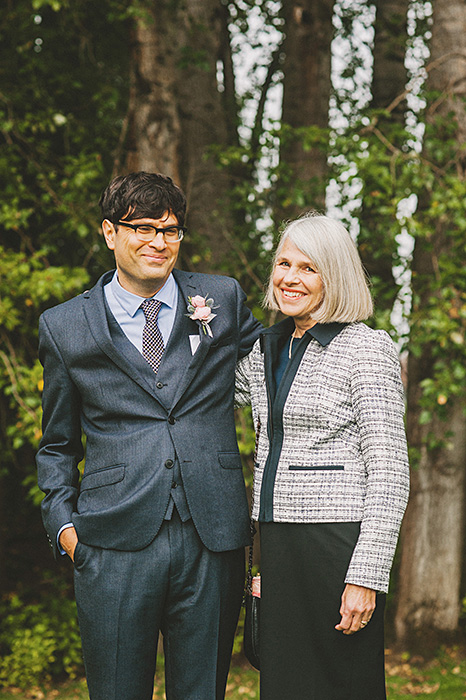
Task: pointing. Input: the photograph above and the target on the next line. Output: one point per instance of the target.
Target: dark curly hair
(142, 195)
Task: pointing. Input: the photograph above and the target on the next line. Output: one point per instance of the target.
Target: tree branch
(273, 67)
(430, 66)
(233, 242)
(14, 386)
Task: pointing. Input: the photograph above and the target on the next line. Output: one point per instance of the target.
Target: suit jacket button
(171, 420)
(159, 385)
(169, 463)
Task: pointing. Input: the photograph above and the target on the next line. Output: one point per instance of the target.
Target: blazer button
(169, 463)
(171, 420)
(159, 385)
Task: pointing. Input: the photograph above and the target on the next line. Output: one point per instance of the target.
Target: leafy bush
(38, 641)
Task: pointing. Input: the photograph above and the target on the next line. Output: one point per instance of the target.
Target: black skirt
(303, 657)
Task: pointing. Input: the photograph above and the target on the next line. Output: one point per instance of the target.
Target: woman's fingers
(357, 607)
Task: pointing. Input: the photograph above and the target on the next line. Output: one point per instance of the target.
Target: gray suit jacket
(343, 455)
(137, 423)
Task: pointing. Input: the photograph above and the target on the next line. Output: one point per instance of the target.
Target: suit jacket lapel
(178, 348)
(96, 315)
(178, 360)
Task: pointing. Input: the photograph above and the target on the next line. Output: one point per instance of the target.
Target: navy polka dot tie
(152, 341)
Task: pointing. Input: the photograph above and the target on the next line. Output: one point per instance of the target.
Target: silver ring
(364, 622)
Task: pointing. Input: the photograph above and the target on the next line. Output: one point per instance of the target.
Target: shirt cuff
(63, 527)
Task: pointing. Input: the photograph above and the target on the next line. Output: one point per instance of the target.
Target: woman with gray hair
(331, 480)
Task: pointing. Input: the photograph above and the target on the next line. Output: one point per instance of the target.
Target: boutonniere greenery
(200, 309)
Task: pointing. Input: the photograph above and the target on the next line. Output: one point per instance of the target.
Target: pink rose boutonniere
(200, 309)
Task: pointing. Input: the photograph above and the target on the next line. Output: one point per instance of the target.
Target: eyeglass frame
(134, 227)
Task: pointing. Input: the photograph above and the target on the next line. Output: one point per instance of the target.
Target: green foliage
(377, 162)
(248, 204)
(438, 318)
(61, 108)
(38, 641)
(26, 284)
(246, 437)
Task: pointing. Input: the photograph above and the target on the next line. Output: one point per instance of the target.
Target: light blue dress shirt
(126, 307)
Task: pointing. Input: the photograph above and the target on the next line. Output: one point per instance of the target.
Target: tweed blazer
(343, 453)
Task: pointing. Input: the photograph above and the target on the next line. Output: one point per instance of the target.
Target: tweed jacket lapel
(269, 342)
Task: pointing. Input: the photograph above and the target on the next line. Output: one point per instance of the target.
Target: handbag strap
(248, 589)
(252, 527)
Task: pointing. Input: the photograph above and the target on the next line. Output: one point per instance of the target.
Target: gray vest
(126, 347)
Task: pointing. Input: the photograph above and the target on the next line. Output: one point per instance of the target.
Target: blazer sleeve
(378, 404)
(242, 386)
(60, 449)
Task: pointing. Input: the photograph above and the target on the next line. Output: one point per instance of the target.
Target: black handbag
(251, 642)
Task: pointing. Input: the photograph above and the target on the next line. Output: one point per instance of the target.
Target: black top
(289, 348)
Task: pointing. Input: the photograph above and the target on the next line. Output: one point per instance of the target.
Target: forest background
(261, 110)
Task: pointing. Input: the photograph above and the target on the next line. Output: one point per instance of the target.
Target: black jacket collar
(324, 333)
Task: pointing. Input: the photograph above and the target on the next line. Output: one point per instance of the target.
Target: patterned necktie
(152, 341)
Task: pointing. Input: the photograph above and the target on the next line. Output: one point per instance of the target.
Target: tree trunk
(389, 72)
(3, 530)
(433, 531)
(376, 241)
(306, 92)
(177, 113)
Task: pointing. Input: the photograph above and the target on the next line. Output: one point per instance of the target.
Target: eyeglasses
(146, 232)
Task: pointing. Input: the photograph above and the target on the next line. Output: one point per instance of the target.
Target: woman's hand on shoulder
(357, 608)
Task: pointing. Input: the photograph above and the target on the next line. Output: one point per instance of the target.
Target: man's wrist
(62, 529)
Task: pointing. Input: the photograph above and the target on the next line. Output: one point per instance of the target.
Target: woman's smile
(297, 285)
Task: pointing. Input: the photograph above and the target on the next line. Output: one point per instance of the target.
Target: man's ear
(108, 229)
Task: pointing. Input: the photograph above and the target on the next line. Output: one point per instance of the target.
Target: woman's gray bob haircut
(327, 243)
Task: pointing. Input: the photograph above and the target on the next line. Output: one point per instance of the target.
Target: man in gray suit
(143, 366)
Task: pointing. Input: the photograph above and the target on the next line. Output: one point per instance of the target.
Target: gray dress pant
(175, 585)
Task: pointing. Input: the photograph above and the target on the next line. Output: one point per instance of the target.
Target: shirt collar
(324, 333)
(131, 302)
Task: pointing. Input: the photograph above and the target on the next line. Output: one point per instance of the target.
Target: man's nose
(158, 242)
